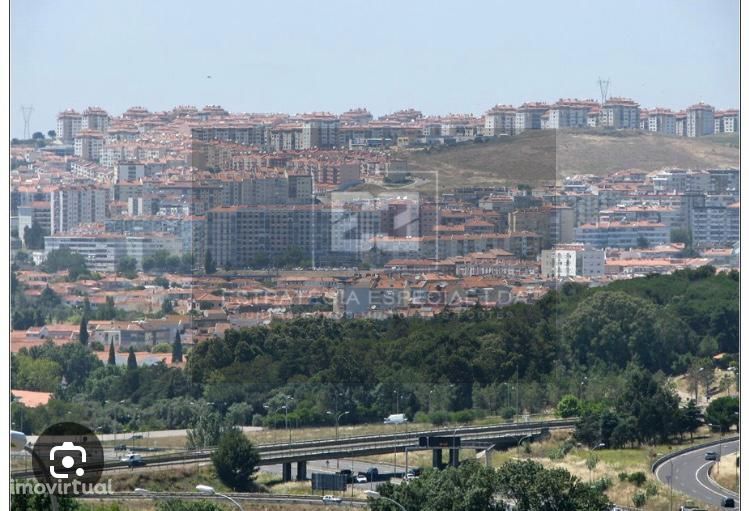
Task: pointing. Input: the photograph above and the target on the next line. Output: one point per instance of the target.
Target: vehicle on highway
(133, 460)
(373, 474)
(711, 456)
(330, 499)
(395, 418)
(121, 447)
(348, 474)
(410, 476)
(727, 502)
(361, 478)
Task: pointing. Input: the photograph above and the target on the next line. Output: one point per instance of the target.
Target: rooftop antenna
(603, 85)
(27, 111)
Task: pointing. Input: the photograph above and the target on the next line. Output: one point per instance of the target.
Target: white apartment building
(500, 120)
(622, 234)
(680, 181)
(572, 260)
(700, 120)
(88, 145)
(130, 171)
(621, 113)
(716, 225)
(528, 116)
(570, 113)
(75, 205)
(95, 119)
(727, 121)
(68, 125)
(102, 251)
(319, 130)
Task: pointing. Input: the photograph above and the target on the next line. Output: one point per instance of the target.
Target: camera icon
(68, 461)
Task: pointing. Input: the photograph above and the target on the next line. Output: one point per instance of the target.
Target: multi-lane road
(689, 474)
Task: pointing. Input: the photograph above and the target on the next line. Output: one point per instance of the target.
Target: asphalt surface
(690, 476)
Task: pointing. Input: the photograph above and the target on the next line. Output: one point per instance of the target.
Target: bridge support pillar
(286, 470)
(437, 459)
(454, 457)
(301, 470)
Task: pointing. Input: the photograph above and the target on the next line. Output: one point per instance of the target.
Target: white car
(331, 499)
(361, 478)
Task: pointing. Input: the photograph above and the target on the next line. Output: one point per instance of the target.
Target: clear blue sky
(297, 56)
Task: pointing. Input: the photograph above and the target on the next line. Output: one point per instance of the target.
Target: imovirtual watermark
(68, 459)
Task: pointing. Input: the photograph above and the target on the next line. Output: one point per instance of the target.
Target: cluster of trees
(473, 487)
(163, 261)
(644, 410)
(593, 344)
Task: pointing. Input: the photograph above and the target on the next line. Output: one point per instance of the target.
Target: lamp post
(376, 495)
(590, 468)
(19, 442)
(209, 490)
(521, 441)
(337, 418)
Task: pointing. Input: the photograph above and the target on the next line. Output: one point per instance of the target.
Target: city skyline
(474, 61)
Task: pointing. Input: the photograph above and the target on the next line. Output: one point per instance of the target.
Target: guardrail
(660, 461)
(281, 452)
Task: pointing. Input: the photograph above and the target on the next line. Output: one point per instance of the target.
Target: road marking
(697, 478)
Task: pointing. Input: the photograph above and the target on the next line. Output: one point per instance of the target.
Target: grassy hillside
(544, 156)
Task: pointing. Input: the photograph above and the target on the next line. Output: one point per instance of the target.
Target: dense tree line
(595, 345)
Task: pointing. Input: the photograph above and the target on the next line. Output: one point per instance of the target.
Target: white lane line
(697, 478)
(714, 482)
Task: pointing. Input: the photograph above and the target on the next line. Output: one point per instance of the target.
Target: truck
(133, 460)
(395, 418)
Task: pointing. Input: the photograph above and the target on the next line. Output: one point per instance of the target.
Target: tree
(690, 418)
(64, 259)
(568, 406)
(535, 488)
(52, 134)
(112, 360)
(33, 237)
(205, 432)
(127, 267)
(723, 412)
(132, 362)
(167, 307)
(236, 460)
(177, 349)
(210, 264)
(83, 330)
(37, 135)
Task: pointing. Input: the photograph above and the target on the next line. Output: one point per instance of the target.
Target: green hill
(544, 156)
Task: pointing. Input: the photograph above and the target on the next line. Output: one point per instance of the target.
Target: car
(410, 476)
(711, 456)
(330, 499)
(727, 502)
(361, 478)
(133, 460)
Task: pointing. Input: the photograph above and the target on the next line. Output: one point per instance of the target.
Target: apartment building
(680, 124)
(319, 130)
(102, 251)
(71, 206)
(88, 144)
(528, 116)
(700, 120)
(661, 120)
(38, 212)
(622, 234)
(68, 125)
(727, 121)
(572, 260)
(716, 224)
(570, 113)
(500, 120)
(620, 113)
(680, 181)
(95, 119)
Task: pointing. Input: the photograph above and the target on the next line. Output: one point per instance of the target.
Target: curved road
(690, 475)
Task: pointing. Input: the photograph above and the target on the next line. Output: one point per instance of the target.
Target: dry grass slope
(543, 156)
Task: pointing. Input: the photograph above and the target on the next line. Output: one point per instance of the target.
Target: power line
(603, 86)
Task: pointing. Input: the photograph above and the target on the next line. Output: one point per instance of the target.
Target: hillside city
(197, 221)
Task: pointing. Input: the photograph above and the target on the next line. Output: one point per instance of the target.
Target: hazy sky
(438, 57)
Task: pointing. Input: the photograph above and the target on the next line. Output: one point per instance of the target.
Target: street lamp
(521, 441)
(337, 418)
(376, 495)
(209, 490)
(285, 408)
(590, 468)
(19, 442)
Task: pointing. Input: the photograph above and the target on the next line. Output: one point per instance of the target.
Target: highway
(242, 498)
(354, 447)
(689, 475)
